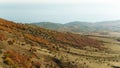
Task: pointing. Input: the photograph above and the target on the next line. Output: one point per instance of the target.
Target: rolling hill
(49, 25)
(108, 25)
(73, 27)
(78, 27)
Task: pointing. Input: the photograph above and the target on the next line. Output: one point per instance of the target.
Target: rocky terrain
(29, 46)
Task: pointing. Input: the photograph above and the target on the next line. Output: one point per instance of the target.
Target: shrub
(15, 66)
(118, 39)
(10, 42)
(11, 57)
(2, 37)
(8, 61)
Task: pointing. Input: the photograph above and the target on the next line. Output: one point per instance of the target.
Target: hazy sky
(60, 11)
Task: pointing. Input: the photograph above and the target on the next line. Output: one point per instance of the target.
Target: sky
(59, 11)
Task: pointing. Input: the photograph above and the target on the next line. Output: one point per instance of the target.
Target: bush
(15, 66)
(8, 61)
(10, 42)
(118, 39)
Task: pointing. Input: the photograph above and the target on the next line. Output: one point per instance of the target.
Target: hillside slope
(28, 46)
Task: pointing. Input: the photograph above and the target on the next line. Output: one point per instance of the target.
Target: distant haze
(59, 11)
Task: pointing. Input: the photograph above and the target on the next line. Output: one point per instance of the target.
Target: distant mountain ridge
(78, 26)
(75, 26)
